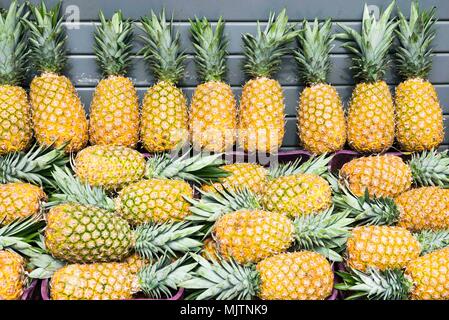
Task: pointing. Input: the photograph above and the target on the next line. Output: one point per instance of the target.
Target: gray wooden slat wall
(241, 16)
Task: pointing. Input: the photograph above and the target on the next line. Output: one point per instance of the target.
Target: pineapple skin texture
(302, 275)
(297, 195)
(97, 281)
(154, 200)
(430, 276)
(58, 115)
(252, 176)
(419, 116)
(383, 176)
(371, 118)
(15, 120)
(165, 119)
(110, 167)
(210, 249)
(261, 118)
(213, 117)
(381, 247)
(114, 113)
(12, 275)
(321, 119)
(248, 236)
(84, 234)
(19, 200)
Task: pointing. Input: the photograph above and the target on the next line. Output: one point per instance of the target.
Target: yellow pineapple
(15, 112)
(19, 200)
(209, 250)
(213, 114)
(164, 123)
(114, 111)
(12, 275)
(419, 115)
(302, 275)
(58, 115)
(371, 118)
(261, 118)
(321, 119)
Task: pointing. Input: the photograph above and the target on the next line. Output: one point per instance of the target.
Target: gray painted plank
(237, 10)
(83, 71)
(80, 40)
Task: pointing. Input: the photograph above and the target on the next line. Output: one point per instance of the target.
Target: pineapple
(19, 200)
(371, 118)
(57, 113)
(386, 247)
(261, 118)
(321, 119)
(114, 111)
(15, 111)
(210, 250)
(164, 123)
(300, 275)
(419, 124)
(213, 114)
(80, 233)
(116, 281)
(425, 278)
(12, 275)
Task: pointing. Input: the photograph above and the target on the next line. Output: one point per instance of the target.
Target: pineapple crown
(430, 168)
(375, 285)
(325, 233)
(157, 279)
(34, 166)
(415, 37)
(210, 48)
(113, 44)
(263, 52)
(222, 280)
(371, 46)
(314, 165)
(198, 169)
(13, 48)
(47, 38)
(432, 240)
(312, 56)
(162, 49)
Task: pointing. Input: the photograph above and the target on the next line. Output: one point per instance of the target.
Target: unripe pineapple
(419, 114)
(15, 112)
(58, 115)
(213, 114)
(164, 110)
(261, 118)
(19, 200)
(84, 234)
(371, 118)
(114, 111)
(425, 278)
(321, 119)
(302, 275)
(116, 281)
(12, 275)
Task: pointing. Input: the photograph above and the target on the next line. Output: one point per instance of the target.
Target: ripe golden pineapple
(261, 118)
(116, 281)
(302, 275)
(425, 278)
(419, 115)
(12, 275)
(382, 176)
(213, 114)
(58, 115)
(321, 119)
(114, 111)
(19, 200)
(164, 123)
(242, 175)
(371, 118)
